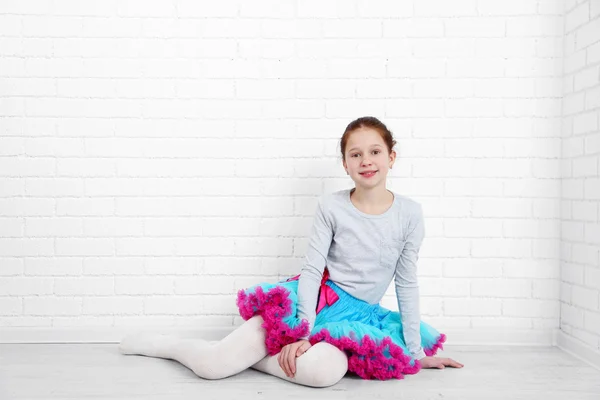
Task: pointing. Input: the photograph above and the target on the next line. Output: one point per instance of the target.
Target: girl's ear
(392, 158)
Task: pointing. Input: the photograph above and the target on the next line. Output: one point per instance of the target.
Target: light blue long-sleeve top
(363, 252)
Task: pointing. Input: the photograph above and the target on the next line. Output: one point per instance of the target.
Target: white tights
(321, 366)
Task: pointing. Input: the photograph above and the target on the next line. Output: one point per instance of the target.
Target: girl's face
(367, 160)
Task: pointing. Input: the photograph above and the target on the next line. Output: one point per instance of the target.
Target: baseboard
(102, 335)
(578, 349)
(487, 337)
(501, 337)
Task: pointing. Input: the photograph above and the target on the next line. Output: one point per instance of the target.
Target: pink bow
(327, 296)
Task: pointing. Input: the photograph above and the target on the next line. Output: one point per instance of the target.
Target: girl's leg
(321, 366)
(238, 351)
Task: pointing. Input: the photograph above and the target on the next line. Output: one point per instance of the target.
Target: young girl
(313, 328)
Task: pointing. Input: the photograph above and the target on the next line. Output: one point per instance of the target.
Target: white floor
(99, 371)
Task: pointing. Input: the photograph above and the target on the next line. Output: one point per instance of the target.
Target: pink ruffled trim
(273, 306)
(438, 345)
(367, 359)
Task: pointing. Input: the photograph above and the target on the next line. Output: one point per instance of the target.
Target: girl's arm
(314, 265)
(407, 287)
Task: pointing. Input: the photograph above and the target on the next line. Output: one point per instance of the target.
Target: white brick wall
(157, 156)
(580, 219)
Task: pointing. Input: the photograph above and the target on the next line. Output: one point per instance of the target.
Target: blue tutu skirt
(370, 335)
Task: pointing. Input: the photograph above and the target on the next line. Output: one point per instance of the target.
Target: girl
(313, 328)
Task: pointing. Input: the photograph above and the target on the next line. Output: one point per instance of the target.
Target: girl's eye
(374, 151)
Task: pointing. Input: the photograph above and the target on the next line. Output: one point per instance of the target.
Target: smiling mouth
(368, 174)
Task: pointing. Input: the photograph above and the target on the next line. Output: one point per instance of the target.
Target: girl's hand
(439, 362)
(287, 356)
